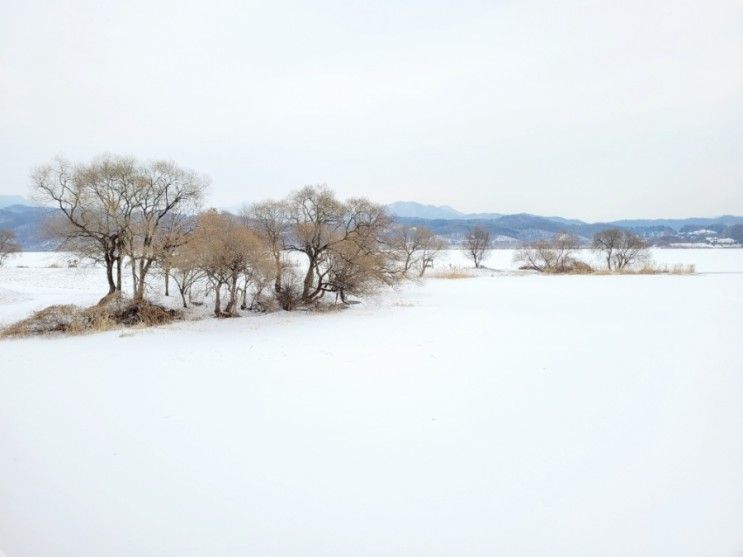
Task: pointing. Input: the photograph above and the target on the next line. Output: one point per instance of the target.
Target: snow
(507, 414)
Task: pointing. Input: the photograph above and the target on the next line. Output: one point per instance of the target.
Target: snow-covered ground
(505, 414)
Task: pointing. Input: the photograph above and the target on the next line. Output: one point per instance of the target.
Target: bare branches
(344, 242)
(8, 244)
(620, 248)
(115, 206)
(477, 244)
(226, 251)
(417, 247)
(92, 201)
(550, 256)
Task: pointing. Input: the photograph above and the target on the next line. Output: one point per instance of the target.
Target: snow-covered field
(505, 414)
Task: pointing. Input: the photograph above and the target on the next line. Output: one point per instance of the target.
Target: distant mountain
(678, 224)
(421, 211)
(27, 222)
(523, 227)
(413, 209)
(8, 200)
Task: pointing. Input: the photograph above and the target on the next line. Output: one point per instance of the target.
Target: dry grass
(651, 269)
(63, 319)
(574, 268)
(74, 320)
(453, 273)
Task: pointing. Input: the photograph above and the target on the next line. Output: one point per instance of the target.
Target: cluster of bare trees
(618, 248)
(232, 259)
(294, 251)
(120, 211)
(297, 250)
(8, 244)
(321, 245)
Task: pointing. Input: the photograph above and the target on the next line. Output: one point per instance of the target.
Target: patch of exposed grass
(651, 269)
(74, 320)
(453, 273)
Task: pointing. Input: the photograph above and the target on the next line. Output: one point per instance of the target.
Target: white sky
(585, 109)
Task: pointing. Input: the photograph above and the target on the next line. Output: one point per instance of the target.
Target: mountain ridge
(26, 220)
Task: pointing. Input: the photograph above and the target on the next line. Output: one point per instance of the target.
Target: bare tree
(417, 246)
(477, 244)
(269, 220)
(336, 237)
(430, 250)
(550, 256)
(115, 207)
(8, 244)
(361, 262)
(631, 249)
(606, 242)
(94, 208)
(182, 265)
(164, 198)
(316, 221)
(620, 248)
(226, 250)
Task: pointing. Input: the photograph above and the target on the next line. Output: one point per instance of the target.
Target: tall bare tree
(165, 198)
(269, 219)
(477, 244)
(94, 207)
(8, 244)
(115, 207)
(333, 235)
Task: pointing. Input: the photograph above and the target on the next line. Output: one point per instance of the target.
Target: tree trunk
(308, 280)
(110, 272)
(232, 289)
(167, 280)
(217, 301)
(134, 276)
(277, 281)
(118, 273)
(139, 281)
(183, 297)
(245, 296)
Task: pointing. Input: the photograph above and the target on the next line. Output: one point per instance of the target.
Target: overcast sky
(584, 109)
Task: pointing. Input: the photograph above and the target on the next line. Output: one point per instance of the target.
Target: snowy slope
(498, 415)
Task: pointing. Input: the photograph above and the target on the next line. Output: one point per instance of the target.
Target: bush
(575, 267)
(289, 295)
(145, 314)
